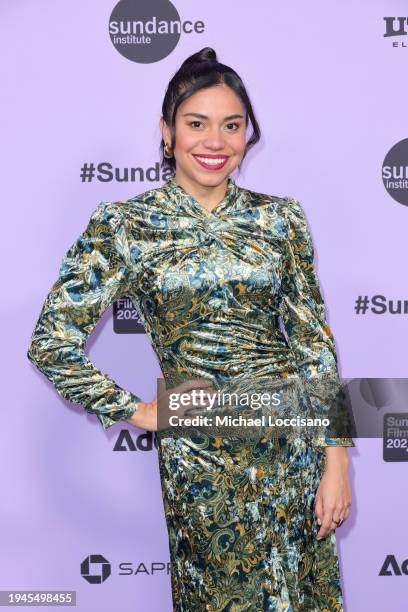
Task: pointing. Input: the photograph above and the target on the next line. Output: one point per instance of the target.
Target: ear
(165, 131)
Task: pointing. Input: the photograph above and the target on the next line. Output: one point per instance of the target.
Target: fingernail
(319, 521)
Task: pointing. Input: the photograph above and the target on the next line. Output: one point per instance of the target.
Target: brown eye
(236, 124)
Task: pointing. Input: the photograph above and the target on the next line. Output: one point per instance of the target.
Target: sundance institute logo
(146, 31)
(98, 574)
(395, 172)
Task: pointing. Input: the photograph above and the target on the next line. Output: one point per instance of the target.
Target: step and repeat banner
(82, 89)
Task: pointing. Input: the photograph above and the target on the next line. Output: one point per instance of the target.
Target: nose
(214, 139)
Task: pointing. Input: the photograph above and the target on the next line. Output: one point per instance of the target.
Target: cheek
(239, 144)
(185, 141)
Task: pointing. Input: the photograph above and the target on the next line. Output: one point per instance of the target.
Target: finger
(326, 526)
(204, 397)
(323, 532)
(200, 406)
(342, 518)
(319, 508)
(337, 519)
(197, 383)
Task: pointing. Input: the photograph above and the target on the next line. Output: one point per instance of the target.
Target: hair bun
(207, 54)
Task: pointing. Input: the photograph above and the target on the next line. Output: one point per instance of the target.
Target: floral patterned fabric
(222, 294)
(242, 528)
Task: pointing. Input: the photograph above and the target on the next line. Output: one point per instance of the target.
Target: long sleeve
(303, 311)
(95, 271)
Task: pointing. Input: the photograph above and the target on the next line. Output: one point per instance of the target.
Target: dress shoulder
(293, 213)
(260, 195)
(108, 214)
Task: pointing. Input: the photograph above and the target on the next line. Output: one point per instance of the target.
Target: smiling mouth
(211, 162)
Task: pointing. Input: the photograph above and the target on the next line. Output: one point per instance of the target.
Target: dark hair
(200, 70)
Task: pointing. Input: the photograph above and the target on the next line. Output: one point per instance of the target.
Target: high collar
(180, 196)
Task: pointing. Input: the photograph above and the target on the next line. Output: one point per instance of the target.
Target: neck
(208, 196)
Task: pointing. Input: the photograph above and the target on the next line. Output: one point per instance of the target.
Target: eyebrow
(201, 116)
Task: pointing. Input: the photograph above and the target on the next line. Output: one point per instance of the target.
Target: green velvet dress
(222, 294)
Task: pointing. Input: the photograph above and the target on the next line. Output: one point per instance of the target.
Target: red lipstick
(200, 159)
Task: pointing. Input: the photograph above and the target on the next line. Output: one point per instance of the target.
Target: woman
(212, 268)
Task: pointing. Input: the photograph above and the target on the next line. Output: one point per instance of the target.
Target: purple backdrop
(329, 91)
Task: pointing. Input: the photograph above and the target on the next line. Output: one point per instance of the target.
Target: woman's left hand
(333, 496)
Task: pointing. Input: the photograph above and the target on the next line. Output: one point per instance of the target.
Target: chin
(210, 176)
(212, 181)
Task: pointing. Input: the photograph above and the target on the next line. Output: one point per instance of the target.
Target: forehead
(215, 101)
